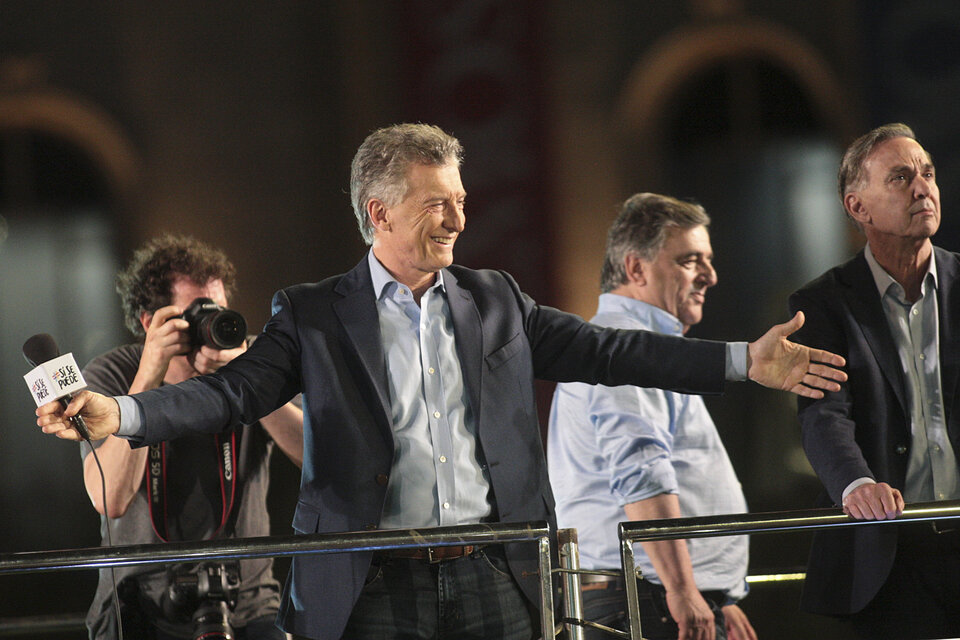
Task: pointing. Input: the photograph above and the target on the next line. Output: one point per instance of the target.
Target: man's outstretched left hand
(777, 363)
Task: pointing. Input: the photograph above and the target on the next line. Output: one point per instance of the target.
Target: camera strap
(156, 473)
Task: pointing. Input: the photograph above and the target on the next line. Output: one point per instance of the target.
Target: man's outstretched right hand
(101, 413)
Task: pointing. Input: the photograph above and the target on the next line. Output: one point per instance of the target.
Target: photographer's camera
(204, 597)
(214, 326)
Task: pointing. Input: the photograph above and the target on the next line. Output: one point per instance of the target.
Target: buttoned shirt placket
(932, 472)
(435, 395)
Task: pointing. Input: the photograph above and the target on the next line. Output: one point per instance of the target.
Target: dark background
(236, 122)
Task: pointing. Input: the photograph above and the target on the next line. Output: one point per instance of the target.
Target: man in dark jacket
(891, 434)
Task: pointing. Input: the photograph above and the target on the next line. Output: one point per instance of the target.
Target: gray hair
(379, 169)
(852, 173)
(641, 228)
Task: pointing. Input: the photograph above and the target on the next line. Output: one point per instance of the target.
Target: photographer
(192, 488)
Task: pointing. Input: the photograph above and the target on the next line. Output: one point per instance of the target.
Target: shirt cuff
(736, 368)
(131, 418)
(737, 593)
(853, 485)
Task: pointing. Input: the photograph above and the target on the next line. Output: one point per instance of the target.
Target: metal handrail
(746, 523)
(43, 625)
(261, 547)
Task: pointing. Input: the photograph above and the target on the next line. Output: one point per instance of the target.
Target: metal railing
(741, 524)
(292, 545)
(494, 533)
(43, 626)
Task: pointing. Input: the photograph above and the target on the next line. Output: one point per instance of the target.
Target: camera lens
(214, 326)
(210, 622)
(224, 329)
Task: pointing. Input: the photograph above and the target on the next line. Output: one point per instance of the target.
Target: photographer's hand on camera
(207, 359)
(166, 338)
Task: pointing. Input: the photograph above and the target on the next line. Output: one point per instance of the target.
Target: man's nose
(921, 187)
(708, 275)
(455, 218)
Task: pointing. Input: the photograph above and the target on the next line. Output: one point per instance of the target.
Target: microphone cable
(106, 521)
(41, 348)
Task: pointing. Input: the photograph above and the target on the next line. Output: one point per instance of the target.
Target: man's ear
(377, 212)
(854, 206)
(145, 319)
(634, 268)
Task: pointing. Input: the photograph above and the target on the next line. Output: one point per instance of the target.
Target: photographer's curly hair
(145, 284)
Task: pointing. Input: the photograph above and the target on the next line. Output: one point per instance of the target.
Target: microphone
(54, 377)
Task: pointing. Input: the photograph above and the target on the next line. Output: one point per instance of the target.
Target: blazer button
(901, 449)
(382, 479)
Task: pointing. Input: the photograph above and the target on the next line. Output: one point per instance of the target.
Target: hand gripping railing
(493, 533)
(747, 523)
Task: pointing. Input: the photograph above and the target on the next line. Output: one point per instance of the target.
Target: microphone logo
(55, 379)
(40, 391)
(66, 376)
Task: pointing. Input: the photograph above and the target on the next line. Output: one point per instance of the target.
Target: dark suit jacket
(324, 340)
(864, 429)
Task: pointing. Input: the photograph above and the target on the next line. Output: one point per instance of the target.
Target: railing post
(546, 589)
(630, 584)
(572, 596)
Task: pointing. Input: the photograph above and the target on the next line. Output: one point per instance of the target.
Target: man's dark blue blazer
(863, 430)
(324, 340)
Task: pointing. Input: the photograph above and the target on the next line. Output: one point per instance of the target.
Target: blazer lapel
(948, 304)
(357, 313)
(468, 334)
(864, 303)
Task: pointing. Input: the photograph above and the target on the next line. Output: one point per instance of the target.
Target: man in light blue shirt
(631, 453)
(436, 452)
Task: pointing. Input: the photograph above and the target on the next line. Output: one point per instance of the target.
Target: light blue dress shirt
(610, 446)
(437, 478)
(932, 472)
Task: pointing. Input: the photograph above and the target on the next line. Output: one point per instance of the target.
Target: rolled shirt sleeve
(634, 428)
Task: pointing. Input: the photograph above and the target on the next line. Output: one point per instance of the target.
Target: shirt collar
(384, 283)
(884, 280)
(654, 317)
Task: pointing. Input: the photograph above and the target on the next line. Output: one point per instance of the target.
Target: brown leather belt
(593, 582)
(433, 554)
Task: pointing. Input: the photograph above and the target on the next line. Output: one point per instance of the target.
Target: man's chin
(444, 260)
(691, 318)
(928, 220)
